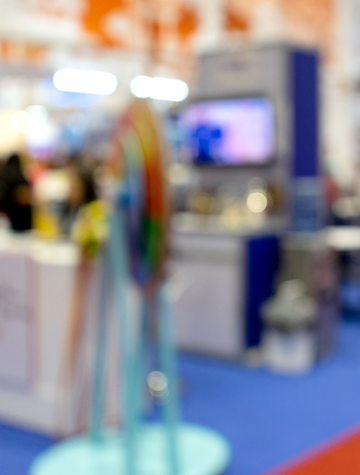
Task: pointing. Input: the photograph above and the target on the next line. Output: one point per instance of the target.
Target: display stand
(138, 448)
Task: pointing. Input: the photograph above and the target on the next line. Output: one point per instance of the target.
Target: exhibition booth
(249, 214)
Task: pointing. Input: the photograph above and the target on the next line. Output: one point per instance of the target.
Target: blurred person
(16, 195)
(81, 191)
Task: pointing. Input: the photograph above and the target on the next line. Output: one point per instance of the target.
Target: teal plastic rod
(167, 365)
(98, 390)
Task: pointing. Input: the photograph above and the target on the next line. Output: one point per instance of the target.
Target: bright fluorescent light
(169, 89)
(164, 89)
(88, 82)
(141, 86)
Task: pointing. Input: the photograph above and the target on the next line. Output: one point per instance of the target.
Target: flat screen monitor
(229, 132)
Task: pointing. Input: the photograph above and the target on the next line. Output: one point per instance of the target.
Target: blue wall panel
(262, 264)
(304, 97)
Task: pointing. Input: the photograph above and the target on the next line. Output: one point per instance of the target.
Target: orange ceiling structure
(175, 26)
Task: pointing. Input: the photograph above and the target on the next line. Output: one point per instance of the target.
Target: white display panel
(16, 322)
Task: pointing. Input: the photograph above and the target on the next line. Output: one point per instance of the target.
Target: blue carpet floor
(268, 419)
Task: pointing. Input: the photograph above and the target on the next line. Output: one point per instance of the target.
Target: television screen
(229, 131)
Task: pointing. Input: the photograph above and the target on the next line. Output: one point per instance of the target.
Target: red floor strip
(340, 457)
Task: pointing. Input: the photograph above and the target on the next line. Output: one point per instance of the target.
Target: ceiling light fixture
(164, 89)
(84, 81)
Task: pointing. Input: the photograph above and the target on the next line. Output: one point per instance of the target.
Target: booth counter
(221, 277)
(36, 280)
(39, 387)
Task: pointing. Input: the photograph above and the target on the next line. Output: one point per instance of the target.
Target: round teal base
(201, 452)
